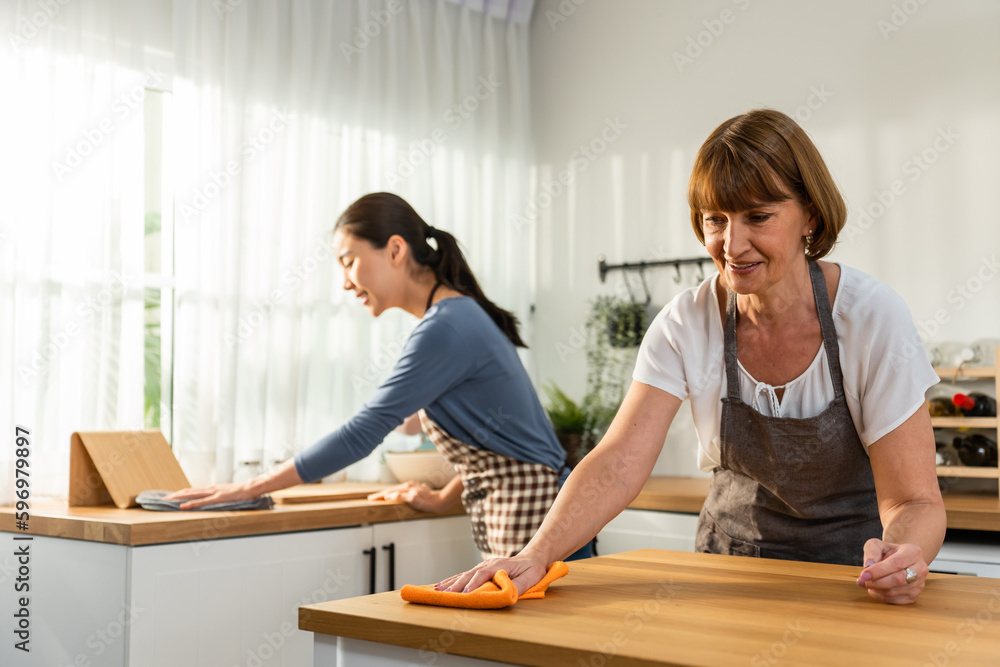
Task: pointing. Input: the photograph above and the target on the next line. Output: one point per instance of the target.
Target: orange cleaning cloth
(557, 570)
(495, 594)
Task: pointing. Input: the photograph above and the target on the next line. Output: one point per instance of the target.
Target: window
(158, 266)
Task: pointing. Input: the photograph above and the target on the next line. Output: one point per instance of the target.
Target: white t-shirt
(886, 372)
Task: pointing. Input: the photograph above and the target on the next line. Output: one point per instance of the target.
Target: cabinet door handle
(371, 569)
(391, 548)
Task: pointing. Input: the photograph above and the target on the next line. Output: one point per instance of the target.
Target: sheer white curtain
(72, 269)
(283, 113)
(286, 113)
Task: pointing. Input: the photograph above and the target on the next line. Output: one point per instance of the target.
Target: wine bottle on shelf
(975, 404)
(941, 406)
(976, 450)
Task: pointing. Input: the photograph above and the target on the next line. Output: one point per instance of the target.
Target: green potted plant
(627, 324)
(623, 321)
(568, 421)
(613, 331)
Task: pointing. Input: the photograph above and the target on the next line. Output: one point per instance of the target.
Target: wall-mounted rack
(603, 267)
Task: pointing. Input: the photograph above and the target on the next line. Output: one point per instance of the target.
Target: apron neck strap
(825, 312)
(732, 370)
(430, 297)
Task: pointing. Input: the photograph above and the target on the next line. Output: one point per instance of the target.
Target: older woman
(810, 419)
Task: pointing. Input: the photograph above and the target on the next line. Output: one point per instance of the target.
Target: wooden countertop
(135, 527)
(655, 607)
(672, 494)
(967, 511)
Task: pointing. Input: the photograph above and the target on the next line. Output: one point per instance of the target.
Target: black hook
(645, 287)
(677, 278)
(628, 286)
(701, 273)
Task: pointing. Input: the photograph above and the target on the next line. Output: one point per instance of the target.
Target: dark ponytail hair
(378, 216)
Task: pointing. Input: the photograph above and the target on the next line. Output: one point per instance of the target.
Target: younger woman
(459, 371)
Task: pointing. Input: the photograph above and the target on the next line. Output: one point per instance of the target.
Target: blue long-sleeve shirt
(459, 366)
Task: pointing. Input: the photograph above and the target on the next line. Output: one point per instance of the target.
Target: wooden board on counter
(672, 608)
(312, 493)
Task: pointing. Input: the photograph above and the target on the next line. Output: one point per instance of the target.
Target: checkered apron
(506, 499)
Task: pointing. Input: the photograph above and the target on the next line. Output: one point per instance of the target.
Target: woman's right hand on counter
(209, 495)
(281, 477)
(524, 572)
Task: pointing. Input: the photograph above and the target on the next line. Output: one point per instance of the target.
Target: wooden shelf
(964, 422)
(972, 373)
(968, 471)
(967, 372)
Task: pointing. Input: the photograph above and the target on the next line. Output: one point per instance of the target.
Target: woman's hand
(911, 510)
(281, 477)
(421, 497)
(209, 495)
(524, 572)
(417, 495)
(884, 574)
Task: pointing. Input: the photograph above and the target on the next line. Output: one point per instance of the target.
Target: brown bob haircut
(761, 157)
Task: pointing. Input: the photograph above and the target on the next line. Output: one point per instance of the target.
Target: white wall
(883, 98)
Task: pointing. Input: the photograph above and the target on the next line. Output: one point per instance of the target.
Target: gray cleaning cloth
(154, 500)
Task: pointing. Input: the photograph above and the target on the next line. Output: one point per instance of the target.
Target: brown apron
(506, 499)
(797, 489)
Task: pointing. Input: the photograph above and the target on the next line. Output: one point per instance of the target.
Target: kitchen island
(654, 607)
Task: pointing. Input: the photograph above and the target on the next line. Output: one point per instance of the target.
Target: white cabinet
(217, 602)
(235, 601)
(970, 553)
(78, 612)
(426, 551)
(358, 653)
(648, 529)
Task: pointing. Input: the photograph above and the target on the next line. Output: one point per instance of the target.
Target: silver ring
(911, 576)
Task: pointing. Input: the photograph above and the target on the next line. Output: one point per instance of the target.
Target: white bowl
(429, 467)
